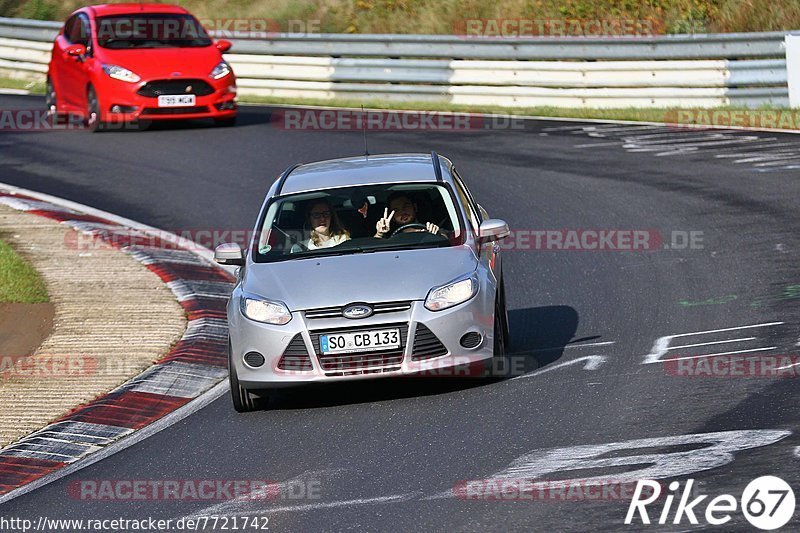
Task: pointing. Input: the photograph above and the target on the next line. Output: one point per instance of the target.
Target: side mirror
(493, 229)
(76, 50)
(229, 253)
(223, 45)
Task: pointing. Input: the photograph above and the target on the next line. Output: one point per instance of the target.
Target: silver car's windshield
(360, 219)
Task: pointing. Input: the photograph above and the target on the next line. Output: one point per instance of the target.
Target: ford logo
(357, 311)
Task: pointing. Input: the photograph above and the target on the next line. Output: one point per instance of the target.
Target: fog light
(471, 340)
(228, 105)
(254, 359)
(117, 108)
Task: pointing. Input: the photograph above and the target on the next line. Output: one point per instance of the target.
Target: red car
(135, 63)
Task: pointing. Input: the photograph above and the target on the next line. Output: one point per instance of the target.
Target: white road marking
(606, 343)
(766, 156)
(246, 503)
(595, 145)
(756, 146)
(782, 161)
(711, 343)
(547, 462)
(662, 344)
(593, 362)
(397, 498)
(720, 353)
(787, 366)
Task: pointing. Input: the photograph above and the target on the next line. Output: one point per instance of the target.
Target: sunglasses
(321, 214)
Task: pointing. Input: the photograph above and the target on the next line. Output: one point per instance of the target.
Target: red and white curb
(188, 377)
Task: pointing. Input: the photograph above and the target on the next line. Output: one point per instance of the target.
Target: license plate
(362, 341)
(176, 100)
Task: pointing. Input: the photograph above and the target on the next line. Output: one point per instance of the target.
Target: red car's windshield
(151, 31)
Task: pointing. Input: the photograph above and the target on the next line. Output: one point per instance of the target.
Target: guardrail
(679, 70)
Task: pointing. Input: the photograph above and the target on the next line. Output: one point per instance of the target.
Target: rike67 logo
(767, 503)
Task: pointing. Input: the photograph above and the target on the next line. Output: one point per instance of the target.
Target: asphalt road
(381, 453)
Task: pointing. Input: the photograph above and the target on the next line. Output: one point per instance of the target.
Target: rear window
(151, 31)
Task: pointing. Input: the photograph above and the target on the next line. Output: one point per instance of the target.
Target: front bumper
(448, 326)
(121, 103)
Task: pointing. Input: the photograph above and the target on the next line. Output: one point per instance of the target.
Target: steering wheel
(407, 226)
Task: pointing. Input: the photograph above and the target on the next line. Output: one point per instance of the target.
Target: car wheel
(506, 331)
(225, 122)
(498, 365)
(51, 101)
(93, 115)
(244, 401)
(499, 334)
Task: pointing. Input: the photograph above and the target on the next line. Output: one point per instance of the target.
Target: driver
(404, 212)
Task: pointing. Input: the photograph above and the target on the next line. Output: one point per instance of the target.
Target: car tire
(94, 121)
(51, 101)
(244, 401)
(506, 330)
(499, 365)
(225, 122)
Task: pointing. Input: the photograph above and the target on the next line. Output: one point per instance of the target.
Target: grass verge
(19, 282)
(27, 85)
(763, 117)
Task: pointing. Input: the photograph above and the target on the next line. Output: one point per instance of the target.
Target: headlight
(265, 311)
(452, 294)
(120, 73)
(221, 70)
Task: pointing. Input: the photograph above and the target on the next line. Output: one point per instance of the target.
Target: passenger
(326, 229)
(404, 212)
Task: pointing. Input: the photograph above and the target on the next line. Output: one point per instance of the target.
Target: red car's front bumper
(128, 102)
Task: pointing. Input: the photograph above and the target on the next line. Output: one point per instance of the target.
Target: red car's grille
(347, 364)
(156, 88)
(174, 110)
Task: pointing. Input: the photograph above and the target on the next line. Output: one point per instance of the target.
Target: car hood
(372, 277)
(153, 63)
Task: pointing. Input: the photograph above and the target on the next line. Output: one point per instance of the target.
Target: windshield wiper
(418, 246)
(311, 254)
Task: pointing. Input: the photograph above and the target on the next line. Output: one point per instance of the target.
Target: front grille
(347, 364)
(426, 344)
(153, 89)
(381, 307)
(174, 110)
(296, 357)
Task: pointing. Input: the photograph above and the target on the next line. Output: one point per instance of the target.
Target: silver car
(365, 267)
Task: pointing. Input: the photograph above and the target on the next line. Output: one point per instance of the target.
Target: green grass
(19, 282)
(36, 87)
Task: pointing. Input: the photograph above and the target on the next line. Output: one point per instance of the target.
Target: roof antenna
(364, 128)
